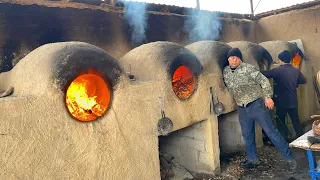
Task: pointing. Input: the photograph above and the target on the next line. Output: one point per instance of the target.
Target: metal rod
(311, 160)
(283, 125)
(256, 6)
(251, 3)
(198, 4)
(161, 107)
(211, 101)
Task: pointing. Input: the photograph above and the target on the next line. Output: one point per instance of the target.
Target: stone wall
(230, 136)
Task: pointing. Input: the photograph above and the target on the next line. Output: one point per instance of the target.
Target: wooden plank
(302, 142)
(315, 147)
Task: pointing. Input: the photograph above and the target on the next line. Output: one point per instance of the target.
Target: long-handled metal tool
(283, 125)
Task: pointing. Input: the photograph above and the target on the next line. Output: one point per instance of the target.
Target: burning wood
(88, 97)
(296, 61)
(183, 87)
(183, 82)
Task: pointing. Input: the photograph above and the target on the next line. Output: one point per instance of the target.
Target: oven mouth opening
(88, 97)
(183, 82)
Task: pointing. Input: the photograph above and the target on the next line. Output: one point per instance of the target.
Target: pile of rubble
(273, 166)
(171, 170)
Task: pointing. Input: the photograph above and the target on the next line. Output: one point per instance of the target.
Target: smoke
(202, 25)
(135, 14)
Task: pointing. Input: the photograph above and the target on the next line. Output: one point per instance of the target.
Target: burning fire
(183, 82)
(88, 97)
(296, 61)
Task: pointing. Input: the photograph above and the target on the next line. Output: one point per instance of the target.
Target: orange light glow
(296, 61)
(183, 82)
(88, 97)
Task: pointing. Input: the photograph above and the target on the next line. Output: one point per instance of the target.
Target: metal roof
(172, 9)
(163, 8)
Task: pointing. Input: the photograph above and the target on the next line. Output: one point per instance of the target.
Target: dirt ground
(273, 166)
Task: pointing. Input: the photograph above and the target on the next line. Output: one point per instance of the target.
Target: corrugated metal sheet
(171, 9)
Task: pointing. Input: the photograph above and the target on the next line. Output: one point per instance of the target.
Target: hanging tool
(217, 108)
(131, 76)
(161, 107)
(211, 101)
(165, 125)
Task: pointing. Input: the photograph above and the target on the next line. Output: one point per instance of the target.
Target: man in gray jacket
(252, 93)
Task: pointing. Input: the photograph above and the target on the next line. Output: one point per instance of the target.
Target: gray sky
(233, 6)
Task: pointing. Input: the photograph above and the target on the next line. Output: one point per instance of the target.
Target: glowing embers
(183, 82)
(88, 97)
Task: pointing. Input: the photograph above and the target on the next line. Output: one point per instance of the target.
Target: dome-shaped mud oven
(88, 91)
(275, 47)
(164, 60)
(84, 73)
(254, 54)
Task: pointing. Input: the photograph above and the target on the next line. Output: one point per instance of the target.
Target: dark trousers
(257, 112)
(281, 121)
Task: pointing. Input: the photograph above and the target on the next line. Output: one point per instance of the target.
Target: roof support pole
(251, 3)
(198, 4)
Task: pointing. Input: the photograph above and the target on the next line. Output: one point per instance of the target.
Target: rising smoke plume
(202, 25)
(136, 16)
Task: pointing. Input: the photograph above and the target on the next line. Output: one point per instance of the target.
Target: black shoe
(249, 164)
(293, 166)
(268, 143)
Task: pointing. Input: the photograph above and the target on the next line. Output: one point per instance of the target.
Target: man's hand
(269, 103)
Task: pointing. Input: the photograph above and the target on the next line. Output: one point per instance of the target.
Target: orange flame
(88, 97)
(183, 82)
(296, 61)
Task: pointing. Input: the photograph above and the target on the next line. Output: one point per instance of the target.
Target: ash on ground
(273, 166)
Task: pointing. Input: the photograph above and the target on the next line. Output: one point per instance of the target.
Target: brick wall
(230, 137)
(189, 147)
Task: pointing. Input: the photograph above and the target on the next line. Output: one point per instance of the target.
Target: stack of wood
(316, 127)
(316, 124)
(316, 131)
